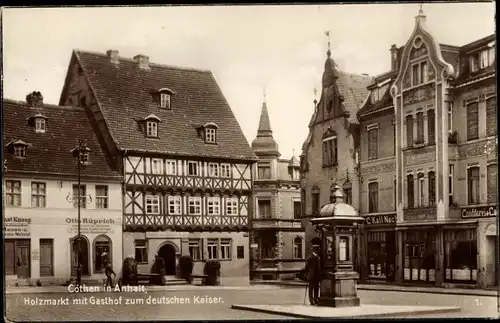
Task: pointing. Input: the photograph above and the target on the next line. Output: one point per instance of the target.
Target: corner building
(41, 196)
(429, 165)
(330, 152)
(186, 165)
(277, 232)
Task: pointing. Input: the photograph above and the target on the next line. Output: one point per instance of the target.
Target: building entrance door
(167, 252)
(23, 258)
(84, 255)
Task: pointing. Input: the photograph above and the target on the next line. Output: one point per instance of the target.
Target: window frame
(196, 245)
(11, 192)
(330, 151)
(141, 247)
(37, 195)
(490, 132)
(373, 208)
(175, 202)
(158, 169)
(213, 205)
(213, 170)
(473, 199)
(225, 170)
(450, 117)
(266, 166)
(83, 196)
(372, 150)
(152, 129)
(264, 202)
(211, 135)
(421, 189)
(420, 128)
(169, 166)
(471, 136)
(153, 201)
(422, 70)
(40, 125)
(410, 186)
(165, 101)
(196, 204)
(232, 204)
(103, 198)
(431, 126)
(19, 151)
(297, 215)
(212, 245)
(431, 189)
(196, 167)
(225, 244)
(298, 249)
(451, 179)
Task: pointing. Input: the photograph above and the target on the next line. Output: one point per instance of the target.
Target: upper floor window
(264, 209)
(38, 194)
(409, 131)
(394, 193)
(225, 170)
(482, 59)
(13, 193)
(473, 185)
(174, 205)
(101, 196)
(431, 126)
(152, 129)
(420, 73)
(348, 195)
(264, 171)
(171, 167)
(491, 116)
(378, 93)
(373, 197)
(193, 169)
(410, 189)
(330, 151)
(232, 206)
(297, 248)
(450, 117)
(450, 179)
(372, 141)
(315, 202)
(152, 204)
(472, 121)
(421, 190)
(394, 136)
(432, 188)
(165, 100)
(19, 151)
(213, 170)
(213, 205)
(420, 128)
(194, 205)
(40, 124)
(156, 166)
(297, 209)
(492, 184)
(79, 196)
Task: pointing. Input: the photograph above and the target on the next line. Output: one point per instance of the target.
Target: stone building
(276, 230)
(330, 152)
(41, 196)
(185, 163)
(429, 190)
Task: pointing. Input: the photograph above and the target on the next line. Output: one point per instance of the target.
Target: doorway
(84, 255)
(168, 252)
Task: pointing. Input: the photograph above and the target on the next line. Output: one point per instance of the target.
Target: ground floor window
(46, 257)
(102, 252)
(419, 255)
(381, 255)
(195, 249)
(141, 251)
(17, 256)
(460, 255)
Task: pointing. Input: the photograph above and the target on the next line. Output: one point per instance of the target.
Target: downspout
(124, 156)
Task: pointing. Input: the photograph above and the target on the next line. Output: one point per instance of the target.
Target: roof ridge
(45, 105)
(356, 74)
(122, 58)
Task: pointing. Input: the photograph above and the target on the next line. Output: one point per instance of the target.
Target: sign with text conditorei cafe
(479, 212)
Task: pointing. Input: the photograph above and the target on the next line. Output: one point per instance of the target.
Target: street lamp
(81, 155)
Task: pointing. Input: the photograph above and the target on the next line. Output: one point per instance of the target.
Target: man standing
(313, 275)
(108, 271)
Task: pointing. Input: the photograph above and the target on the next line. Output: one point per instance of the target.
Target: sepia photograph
(250, 162)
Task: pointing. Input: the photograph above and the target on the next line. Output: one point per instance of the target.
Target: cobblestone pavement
(17, 308)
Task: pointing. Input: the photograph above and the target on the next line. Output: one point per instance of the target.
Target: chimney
(35, 99)
(114, 56)
(142, 60)
(394, 58)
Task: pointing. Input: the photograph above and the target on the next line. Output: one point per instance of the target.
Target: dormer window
(165, 101)
(482, 59)
(151, 125)
(81, 154)
(210, 133)
(17, 148)
(40, 125)
(378, 93)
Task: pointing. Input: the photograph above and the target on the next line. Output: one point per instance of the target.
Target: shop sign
(381, 219)
(87, 225)
(17, 227)
(479, 212)
(35, 254)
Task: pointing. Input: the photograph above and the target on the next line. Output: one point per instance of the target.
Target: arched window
(297, 248)
(102, 253)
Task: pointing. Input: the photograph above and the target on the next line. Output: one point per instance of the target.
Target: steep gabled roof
(264, 144)
(123, 92)
(50, 152)
(353, 88)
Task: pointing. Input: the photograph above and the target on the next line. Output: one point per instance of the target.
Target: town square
(250, 162)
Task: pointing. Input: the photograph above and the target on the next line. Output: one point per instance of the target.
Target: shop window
(461, 255)
(267, 246)
(419, 254)
(102, 253)
(377, 250)
(46, 257)
(141, 251)
(297, 248)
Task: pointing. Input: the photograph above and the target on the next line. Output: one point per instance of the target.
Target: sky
(277, 50)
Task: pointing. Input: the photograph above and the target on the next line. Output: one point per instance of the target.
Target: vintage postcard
(250, 162)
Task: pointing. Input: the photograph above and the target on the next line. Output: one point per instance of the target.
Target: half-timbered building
(330, 151)
(277, 232)
(185, 162)
(41, 196)
(429, 188)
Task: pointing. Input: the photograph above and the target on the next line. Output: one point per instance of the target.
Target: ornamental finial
(328, 52)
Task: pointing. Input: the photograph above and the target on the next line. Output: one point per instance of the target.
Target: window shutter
(492, 183)
(472, 121)
(491, 116)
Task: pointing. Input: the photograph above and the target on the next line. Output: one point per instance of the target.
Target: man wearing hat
(313, 274)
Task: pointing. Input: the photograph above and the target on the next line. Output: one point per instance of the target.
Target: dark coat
(313, 268)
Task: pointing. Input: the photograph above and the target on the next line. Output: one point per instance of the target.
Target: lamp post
(80, 153)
